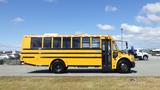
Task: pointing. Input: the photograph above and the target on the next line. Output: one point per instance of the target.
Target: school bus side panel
(28, 56)
(71, 57)
(26, 42)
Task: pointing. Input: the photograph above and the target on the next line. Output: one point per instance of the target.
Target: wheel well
(57, 60)
(146, 56)
(123, 60)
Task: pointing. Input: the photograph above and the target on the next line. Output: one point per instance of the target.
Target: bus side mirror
(126, 45)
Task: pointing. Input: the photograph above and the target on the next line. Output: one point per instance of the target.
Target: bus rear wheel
(124, 67)
(58, 67)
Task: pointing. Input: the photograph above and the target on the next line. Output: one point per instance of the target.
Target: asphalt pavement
(143, 68)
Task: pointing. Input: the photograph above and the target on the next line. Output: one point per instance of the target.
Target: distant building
(156, 52)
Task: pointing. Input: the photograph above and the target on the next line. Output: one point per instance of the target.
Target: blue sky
(21, 17)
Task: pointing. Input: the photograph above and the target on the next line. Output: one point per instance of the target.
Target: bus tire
(124, 67)
(57, 66)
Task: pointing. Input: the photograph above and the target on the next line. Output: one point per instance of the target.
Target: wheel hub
(145, 58)
(124, 67)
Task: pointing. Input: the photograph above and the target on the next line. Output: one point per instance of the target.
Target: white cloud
(148, 19)
(130, 28)
(139, 36)
(150, 14)
(18, 20)
(134, 29)
(153, 17)
(152, 7)
(111, 8)
(143, 19)
(105, 27)
(144, 36)
(50, 1)
(3, 1)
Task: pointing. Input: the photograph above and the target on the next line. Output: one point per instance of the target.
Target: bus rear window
(36, 42)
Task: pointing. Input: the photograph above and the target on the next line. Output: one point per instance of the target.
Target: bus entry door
(106, 55)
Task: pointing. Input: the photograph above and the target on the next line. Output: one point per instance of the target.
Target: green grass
(79, 83)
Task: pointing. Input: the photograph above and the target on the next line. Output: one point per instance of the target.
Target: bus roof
(76, 35)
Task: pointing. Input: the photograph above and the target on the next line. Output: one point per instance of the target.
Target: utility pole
(122, 38)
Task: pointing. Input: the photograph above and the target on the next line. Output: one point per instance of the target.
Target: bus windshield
(115, 46)
(121, 45)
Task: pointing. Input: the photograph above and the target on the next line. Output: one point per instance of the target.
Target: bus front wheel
(124, 67)
(58, 67)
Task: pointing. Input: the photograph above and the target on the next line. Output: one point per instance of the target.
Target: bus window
(85, 42)
(47, 42)
(57, 42)
(66, 42)
(36, 42)
(115, 47)
(103, 46)
(76, 42)
(95, 42)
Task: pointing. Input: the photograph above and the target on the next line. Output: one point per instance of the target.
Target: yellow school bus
(59, 52)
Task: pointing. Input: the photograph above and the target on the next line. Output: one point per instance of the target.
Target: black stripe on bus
(69, 57)
(84, 65)
(70, 53)
(28, 57)
(61, 53)
(62, 49)
(29, 53)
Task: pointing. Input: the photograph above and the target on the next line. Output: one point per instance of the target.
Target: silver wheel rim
(145, 58)
(59, 68)
(124, 67)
